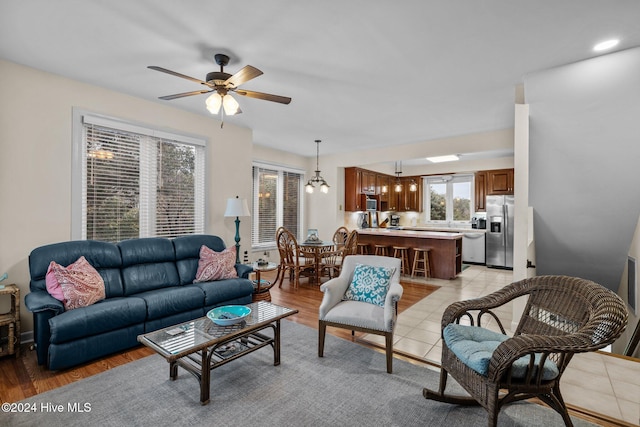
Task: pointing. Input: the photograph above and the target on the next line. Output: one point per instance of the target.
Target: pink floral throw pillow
(216, 265)
(81, 284)
(53, 287)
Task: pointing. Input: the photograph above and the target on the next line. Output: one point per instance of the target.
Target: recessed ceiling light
(440, 159)
(608, 44)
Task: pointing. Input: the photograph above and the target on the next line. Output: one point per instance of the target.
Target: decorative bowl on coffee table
(228, 314)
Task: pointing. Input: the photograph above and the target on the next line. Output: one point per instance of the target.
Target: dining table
(317, 248)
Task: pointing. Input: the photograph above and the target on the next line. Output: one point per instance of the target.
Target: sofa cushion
(216, 265)
(224, 290)
(187, 253)
(148, 264)
(474, 346)
(107, 315)
(168, 301)
(104, 257)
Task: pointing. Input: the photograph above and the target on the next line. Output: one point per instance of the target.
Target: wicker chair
(563, 316)
(292, 258)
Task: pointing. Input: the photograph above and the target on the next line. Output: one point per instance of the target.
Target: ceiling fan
(221, 83)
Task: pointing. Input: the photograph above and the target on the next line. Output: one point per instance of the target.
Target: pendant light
(398, 186)
(324, 187)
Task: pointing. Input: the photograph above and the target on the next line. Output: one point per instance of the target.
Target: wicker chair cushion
(370, 284)
(474, 346)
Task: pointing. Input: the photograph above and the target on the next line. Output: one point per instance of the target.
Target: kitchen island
(446, 247)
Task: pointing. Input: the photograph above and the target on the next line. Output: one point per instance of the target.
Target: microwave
(371, 204)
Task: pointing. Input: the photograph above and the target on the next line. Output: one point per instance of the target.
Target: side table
(10, 320)
(261, 288)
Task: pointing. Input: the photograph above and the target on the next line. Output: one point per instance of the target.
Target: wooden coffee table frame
(193, 354)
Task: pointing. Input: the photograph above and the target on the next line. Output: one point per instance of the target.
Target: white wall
(634, 251)
(583, 153)
(35, 160)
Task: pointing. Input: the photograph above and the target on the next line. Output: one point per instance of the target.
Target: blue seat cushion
(104, 316)
(172, 300)
(224, 290)
(474, 346)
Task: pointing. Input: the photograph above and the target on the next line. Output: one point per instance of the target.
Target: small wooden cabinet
(10, 323)
(480, 193)
(499, 182)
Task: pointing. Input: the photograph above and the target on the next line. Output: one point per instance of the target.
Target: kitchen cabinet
(359, 183)
(353, 189)
(368, 182)
(500, 182)
(480, 191)
(383, 188)
(406, 200)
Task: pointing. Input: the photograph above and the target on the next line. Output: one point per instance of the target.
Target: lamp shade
(237, 207)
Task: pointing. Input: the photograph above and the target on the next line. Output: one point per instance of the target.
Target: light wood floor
(22, 377)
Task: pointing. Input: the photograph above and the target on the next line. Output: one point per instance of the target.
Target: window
(448, 198)
(277, 202)
(135, 181)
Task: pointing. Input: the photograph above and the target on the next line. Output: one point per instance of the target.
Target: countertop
(423, 234)
(446, 229)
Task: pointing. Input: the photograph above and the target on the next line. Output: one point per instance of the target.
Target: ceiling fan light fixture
(230, 105)
(213, 103)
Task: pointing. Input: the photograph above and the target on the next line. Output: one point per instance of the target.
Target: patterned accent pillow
(81, 284)
(53, 287)
(369, 284)
(216, 265)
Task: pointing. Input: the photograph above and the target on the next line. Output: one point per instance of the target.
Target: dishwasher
(473, 250)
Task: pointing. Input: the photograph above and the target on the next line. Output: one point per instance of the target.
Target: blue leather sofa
(148, 286)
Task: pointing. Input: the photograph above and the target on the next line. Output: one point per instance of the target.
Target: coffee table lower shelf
(202, 346)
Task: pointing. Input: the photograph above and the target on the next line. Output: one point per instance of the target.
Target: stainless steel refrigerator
(499, 231)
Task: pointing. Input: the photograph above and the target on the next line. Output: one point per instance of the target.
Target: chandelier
(324, 187)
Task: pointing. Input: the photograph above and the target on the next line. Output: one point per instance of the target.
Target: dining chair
(293, 259)
(332, 260)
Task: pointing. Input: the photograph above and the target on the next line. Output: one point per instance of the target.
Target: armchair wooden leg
(388, 338)
(322, 329)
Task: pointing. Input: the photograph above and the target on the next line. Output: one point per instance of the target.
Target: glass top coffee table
(199, 346)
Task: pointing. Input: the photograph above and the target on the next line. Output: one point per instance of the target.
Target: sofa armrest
(39, 301)
(243, 270)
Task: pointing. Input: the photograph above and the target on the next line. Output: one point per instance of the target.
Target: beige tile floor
(598, 382)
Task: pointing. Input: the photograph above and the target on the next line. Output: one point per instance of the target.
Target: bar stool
(421, 262)
(363, 248)
(382, 250)
(402, 252)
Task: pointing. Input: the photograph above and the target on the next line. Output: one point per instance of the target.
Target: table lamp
(237, 207)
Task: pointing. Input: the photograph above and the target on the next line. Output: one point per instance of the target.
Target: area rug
(349, 386)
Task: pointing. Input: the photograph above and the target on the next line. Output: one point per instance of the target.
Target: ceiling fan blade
(265, 96)
(182, 95)
(173, 73)
(244, 75)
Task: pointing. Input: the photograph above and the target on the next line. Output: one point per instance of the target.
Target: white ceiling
(361, 73)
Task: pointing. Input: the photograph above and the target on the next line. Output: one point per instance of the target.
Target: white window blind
(277, 202)
(139, 182)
